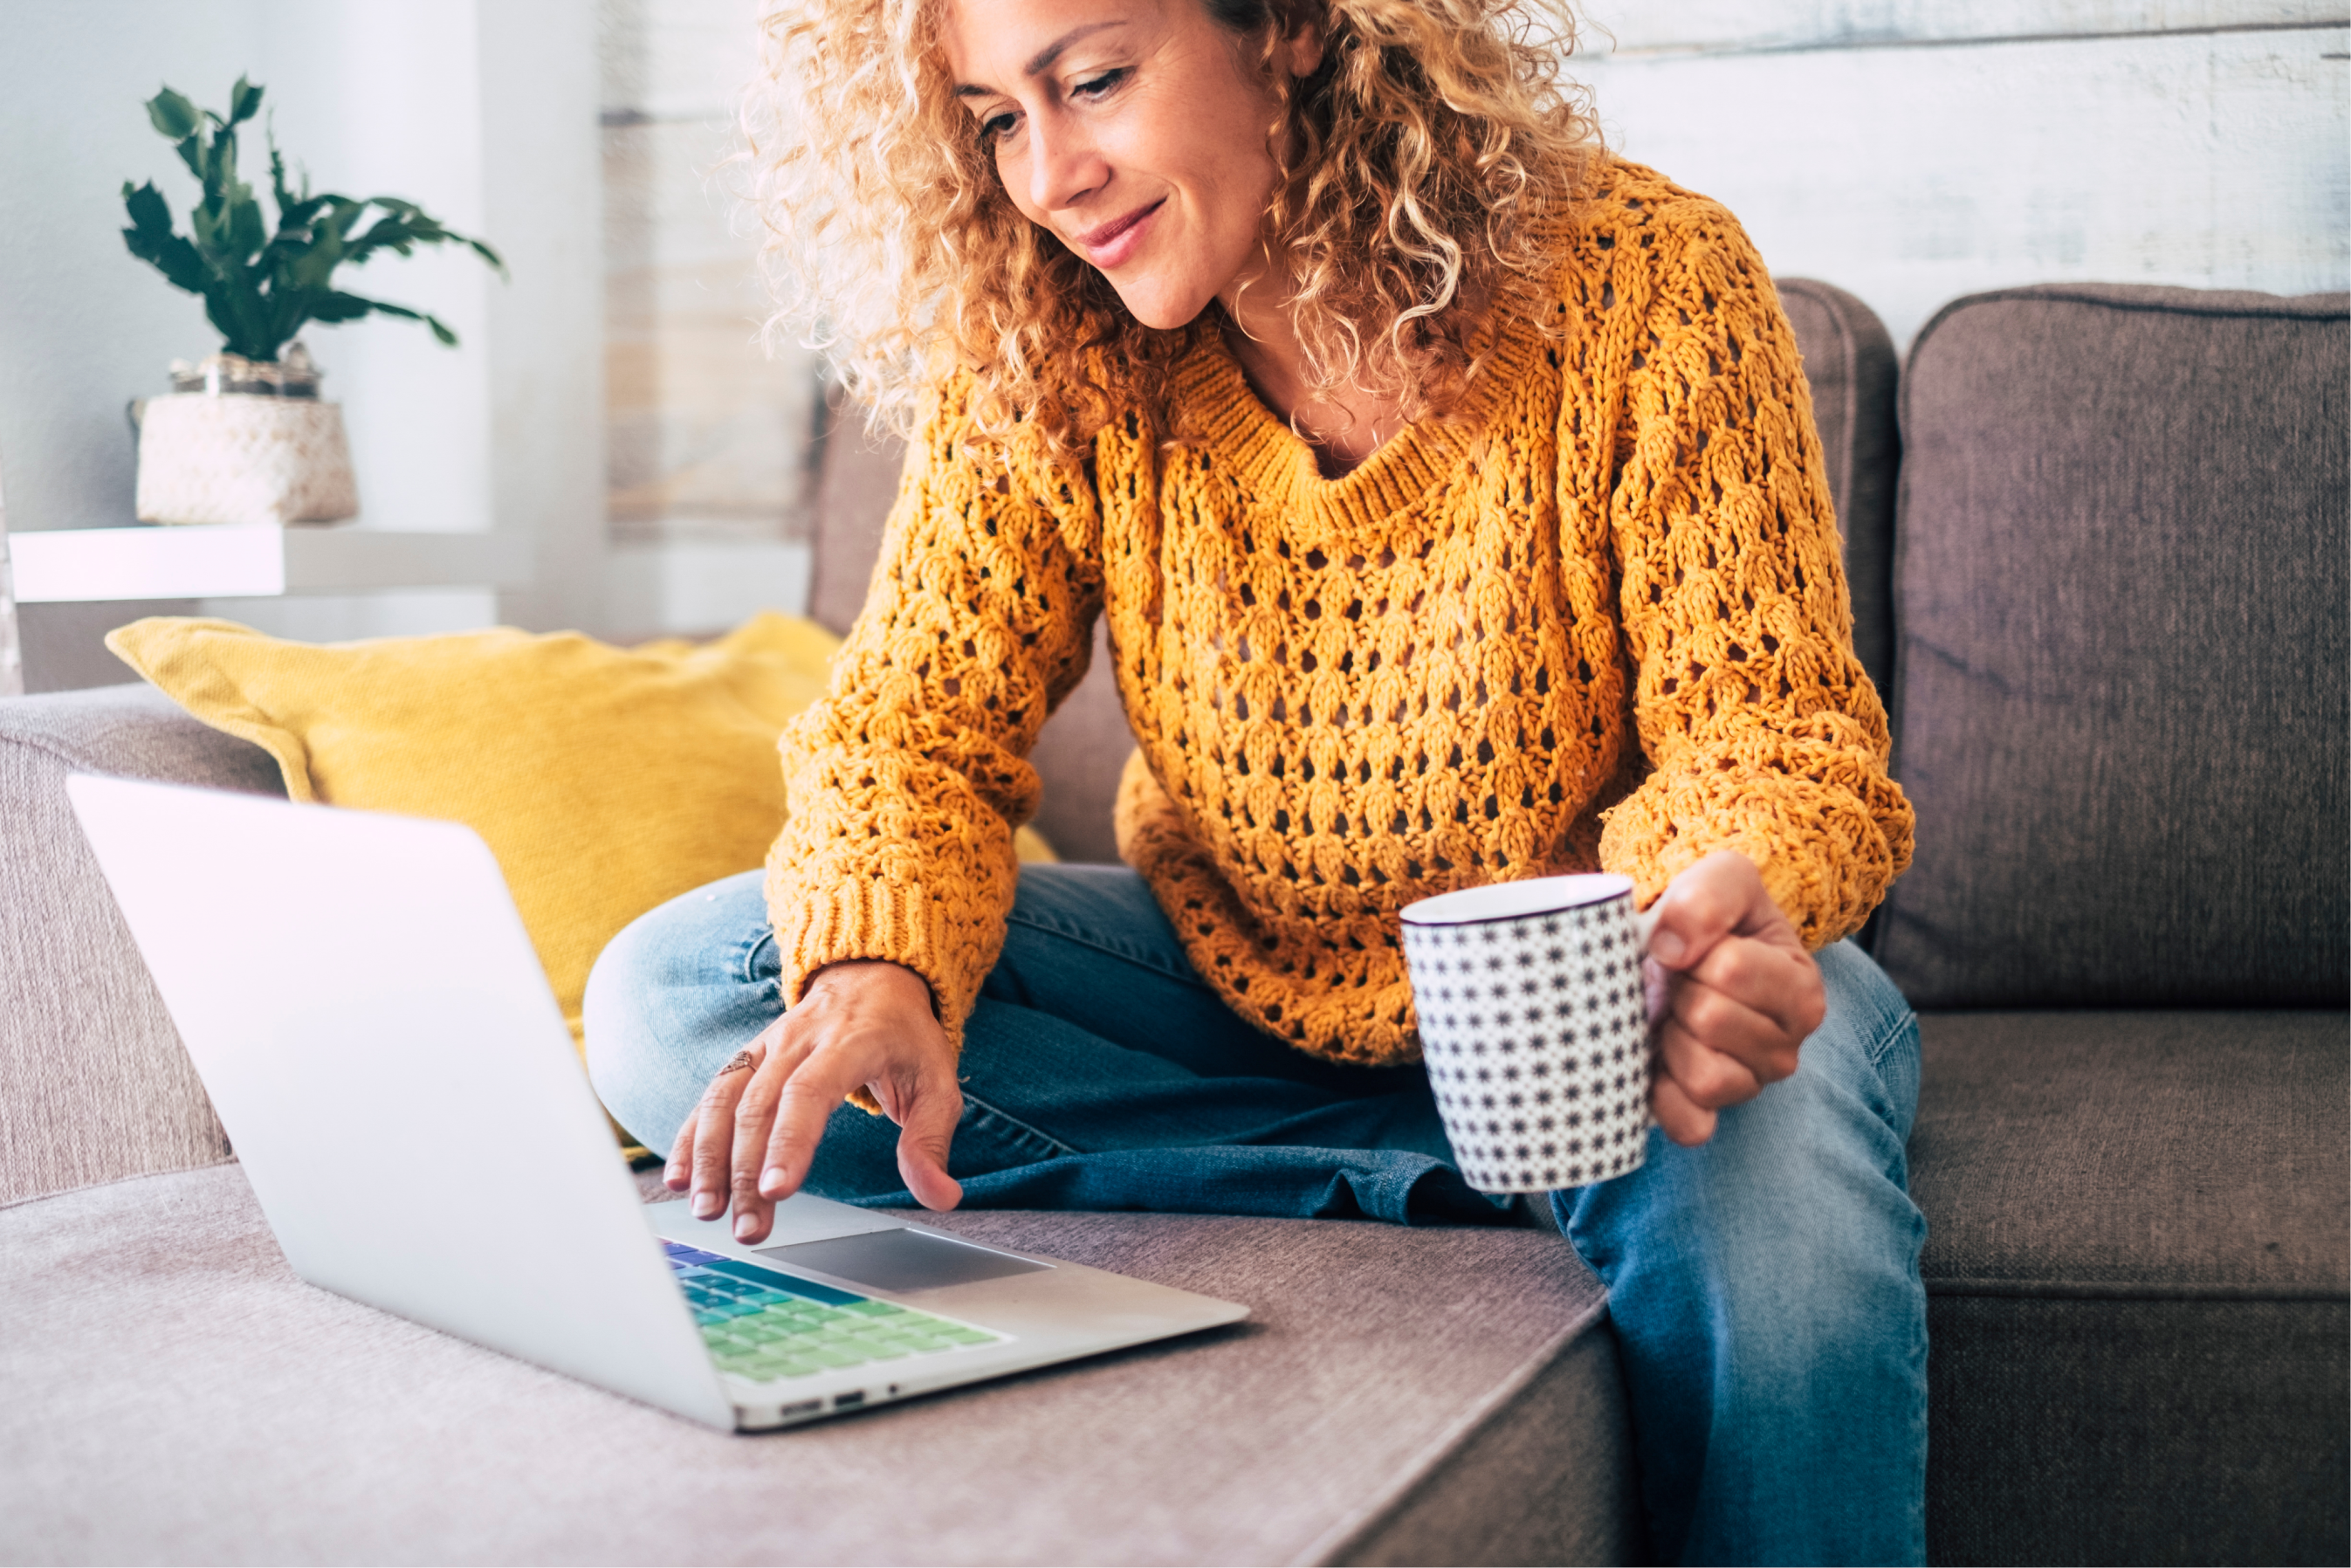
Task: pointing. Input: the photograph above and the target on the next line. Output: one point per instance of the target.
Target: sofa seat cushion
(176, 1393)
(2153, 1153)
(98, 1086)
(2138, 1267)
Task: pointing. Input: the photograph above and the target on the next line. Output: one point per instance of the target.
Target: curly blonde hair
(1415, 169)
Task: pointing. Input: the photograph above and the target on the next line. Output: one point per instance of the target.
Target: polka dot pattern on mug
(1536, 1037)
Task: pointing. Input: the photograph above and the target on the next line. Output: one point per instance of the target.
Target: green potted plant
(245, 436)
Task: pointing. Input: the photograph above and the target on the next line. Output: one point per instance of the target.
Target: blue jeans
(1764, 1285)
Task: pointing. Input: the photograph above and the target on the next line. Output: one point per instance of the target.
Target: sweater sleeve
(1759, 730)
(907, 779)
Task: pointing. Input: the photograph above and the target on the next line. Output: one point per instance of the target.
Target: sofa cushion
(1850, 365)
(1391, 1383)
(2153, 1153)
(98, 1087)
(2138, 1260)
(607, 780)
(2121, 603)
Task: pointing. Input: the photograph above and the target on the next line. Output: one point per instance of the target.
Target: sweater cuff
(866, 917)
(1824, 858)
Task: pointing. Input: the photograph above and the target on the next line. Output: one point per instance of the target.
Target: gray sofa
(2098, 563)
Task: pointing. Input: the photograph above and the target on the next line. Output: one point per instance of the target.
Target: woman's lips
(1115, 241)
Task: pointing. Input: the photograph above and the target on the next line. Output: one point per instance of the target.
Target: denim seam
(751, 955)
(983, 1107)
(1884, 1040)
(1185, 974)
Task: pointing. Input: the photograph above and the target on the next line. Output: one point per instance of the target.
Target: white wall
(483, 112)
(1912, 150)
(83, 327)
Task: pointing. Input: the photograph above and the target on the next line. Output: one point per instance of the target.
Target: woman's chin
(1161, 309)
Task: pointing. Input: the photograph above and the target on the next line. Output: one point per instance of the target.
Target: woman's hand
(1733, 989)
(754, 1135)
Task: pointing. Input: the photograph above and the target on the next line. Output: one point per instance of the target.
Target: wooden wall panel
(1751, 25)
(1911, 175)
(709, 436)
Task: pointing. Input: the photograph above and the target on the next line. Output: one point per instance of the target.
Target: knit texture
(1597, 619)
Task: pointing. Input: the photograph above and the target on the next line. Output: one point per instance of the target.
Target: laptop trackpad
(900, 1261)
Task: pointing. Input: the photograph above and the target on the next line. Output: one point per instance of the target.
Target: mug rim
(1617, 886)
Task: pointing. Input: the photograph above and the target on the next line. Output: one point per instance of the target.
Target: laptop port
(800, 1407)
(849, 1401)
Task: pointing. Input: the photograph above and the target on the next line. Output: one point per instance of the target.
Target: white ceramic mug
(1535, 1028)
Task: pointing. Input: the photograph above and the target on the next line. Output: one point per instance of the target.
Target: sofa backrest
(1850, 365)
(1848, 360)
(94, 1086)
(2120, 594)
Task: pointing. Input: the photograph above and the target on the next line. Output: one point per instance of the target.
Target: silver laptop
(376, 1033)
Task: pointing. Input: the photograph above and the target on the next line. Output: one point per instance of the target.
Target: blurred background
(611, 411)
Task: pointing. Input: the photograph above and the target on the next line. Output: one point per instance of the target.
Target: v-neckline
(1219, 408)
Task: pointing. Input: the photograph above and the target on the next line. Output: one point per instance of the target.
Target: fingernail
(1667, 947)
(705, 1205)
(744, 1225)
(771, 1181)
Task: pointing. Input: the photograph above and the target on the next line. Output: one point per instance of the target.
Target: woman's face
(1135, 130)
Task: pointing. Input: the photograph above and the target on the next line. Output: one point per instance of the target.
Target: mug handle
(1644, 925)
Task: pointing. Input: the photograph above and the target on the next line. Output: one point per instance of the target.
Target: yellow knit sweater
(1598, 618)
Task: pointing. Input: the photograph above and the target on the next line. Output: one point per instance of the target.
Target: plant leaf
(260, 288)
(341, 307)
(333, 305)
(151, 239)
(247, 233)
(173, 114)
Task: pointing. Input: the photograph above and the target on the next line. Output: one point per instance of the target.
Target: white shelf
(255, 560)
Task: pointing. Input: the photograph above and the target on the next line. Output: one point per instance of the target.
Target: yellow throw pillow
(606, 781)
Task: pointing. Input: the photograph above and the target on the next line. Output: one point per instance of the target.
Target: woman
(1451, 492)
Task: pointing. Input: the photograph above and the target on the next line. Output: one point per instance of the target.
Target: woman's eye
(1094, 87)
(997, 127)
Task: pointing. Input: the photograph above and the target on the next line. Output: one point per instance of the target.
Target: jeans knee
(611, 1016)
(671, 998)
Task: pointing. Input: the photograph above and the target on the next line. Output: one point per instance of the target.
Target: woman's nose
(1065, 166)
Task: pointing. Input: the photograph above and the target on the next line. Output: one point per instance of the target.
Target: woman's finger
(754, 1115)
(715, 1130)
(1710, 900)
(1721, 1022)
(1684, 1122)
(1779, 980)
(927, 1117)
(681, 1156)
(1710, 1079)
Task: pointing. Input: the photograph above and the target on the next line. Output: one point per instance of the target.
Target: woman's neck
(1344, 426)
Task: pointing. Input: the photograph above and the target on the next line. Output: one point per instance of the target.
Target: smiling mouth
(1103, 245)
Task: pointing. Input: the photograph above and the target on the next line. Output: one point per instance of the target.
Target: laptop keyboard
(765, 1326)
